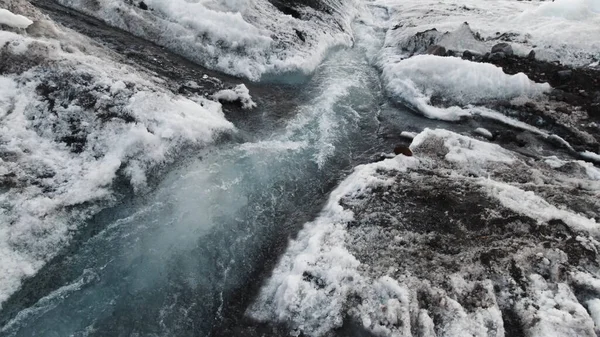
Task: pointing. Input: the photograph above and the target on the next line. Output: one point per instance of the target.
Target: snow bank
(459, 82)
(242, 38)
(73, 129)
(313, 279)
(239, 94)
(13, 20)
(337, 269)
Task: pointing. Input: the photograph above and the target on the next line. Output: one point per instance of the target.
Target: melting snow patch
(310, 286)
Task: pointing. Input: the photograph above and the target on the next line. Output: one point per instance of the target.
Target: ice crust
(417, 79)
(242, 38)
(74, 125)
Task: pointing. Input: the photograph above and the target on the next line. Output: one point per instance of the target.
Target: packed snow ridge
(74, 125)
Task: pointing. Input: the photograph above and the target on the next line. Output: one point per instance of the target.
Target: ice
(591, 156)
(484, 132)
(13, 20)
(72, 130)
(471, 153)
(558, 312)
(242, 38)
(420, 78)
(408, 134)
(529, 204)
(238, 94)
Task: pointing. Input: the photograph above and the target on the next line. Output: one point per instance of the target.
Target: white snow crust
(417, 79)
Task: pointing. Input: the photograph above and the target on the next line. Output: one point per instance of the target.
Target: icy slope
(448, 242)
(243, 38)
(563, 30)
(75, 125)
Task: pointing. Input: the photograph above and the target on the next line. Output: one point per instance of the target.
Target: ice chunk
(484, 132)
(238, 94)
(14, 20)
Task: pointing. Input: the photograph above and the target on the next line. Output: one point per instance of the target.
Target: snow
(533, 206)
(319, 254)
(470, 153)
(332, 270)
(417, 79)
(60, 158)
(591, 156)
(242, 38)
(13, 20)
(408, 134)
(484, 132)
(238, 94)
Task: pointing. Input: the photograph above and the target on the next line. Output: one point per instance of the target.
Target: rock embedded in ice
(504, 48)
(400, 149)
(436, 50)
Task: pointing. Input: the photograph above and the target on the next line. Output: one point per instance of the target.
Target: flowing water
(187, 258)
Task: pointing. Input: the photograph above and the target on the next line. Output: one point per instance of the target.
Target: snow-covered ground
(73, 122)
(242, 37)
(369, 259)
(466, 237)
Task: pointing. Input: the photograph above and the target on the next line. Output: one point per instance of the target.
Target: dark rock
(531, 55)
(564, 74)
(436, 50)
(503, 48)
(469, 55)
(403, 150)
(143, 5)
(451, 53)
(497, 56)
(300, 35)
(419, 42)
